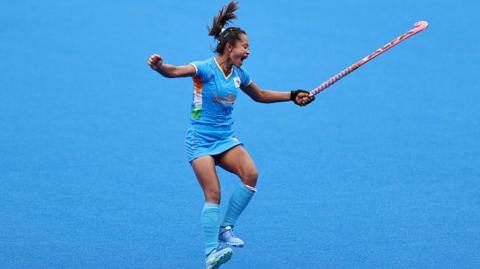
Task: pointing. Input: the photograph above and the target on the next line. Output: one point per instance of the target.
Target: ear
(229, 47)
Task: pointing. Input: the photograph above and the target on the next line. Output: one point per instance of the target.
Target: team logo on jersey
(236, 80)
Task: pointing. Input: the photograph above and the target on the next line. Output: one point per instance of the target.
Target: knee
(250, 178)
(212, 195)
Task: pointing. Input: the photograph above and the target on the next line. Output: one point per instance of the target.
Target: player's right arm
(170, 71)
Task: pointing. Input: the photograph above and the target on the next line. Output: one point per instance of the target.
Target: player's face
(240, 51)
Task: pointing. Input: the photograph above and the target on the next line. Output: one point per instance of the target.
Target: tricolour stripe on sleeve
(197, 97)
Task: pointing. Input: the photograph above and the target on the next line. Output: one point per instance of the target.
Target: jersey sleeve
(244, 77)
(202, 69)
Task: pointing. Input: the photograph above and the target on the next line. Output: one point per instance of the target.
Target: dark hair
(228, 35)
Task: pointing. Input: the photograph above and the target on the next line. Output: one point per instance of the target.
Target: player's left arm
(300, 97)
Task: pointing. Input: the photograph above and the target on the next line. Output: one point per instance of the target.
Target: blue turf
(382, 171)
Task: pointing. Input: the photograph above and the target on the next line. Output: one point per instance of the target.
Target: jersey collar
(221, 70)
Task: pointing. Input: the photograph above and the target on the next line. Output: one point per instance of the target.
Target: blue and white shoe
(218, 257)
(227, 237)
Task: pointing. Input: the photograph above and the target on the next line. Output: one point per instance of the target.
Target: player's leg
(237, 161)
(204, 168)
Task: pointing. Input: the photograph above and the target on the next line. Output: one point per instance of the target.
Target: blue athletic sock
(210, 222)
(238, 201)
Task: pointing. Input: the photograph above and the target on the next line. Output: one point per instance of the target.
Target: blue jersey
(214, 93)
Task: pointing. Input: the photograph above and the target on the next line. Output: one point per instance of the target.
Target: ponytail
(217, 30)
(225, 16)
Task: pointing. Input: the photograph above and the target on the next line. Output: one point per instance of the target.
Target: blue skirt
(204, 140)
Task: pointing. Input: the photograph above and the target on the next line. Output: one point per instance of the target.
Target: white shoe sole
(232, 244)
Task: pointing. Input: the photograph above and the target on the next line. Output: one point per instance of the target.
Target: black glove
(293, 95)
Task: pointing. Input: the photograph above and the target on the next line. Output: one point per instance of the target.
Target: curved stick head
(421, 24)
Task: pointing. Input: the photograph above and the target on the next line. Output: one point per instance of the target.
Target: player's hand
(155, 61)
(301, 97)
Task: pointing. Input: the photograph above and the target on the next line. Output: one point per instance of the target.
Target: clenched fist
(301, 97)
(155, 61)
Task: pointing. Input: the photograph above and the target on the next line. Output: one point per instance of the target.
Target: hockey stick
(419, 26)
